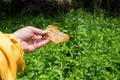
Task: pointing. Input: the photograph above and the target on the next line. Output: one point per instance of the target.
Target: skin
(31, 38)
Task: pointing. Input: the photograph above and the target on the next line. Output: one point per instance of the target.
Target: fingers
(35, 45)
(42, 43)
(39, 31)
(39, 41)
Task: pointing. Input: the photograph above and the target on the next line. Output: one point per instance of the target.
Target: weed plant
(92, 52)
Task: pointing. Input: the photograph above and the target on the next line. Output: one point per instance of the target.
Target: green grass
(92, 52)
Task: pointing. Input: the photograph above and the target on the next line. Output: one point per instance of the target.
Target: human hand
(31, 38)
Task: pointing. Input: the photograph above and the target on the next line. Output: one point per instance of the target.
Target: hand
(31, 38)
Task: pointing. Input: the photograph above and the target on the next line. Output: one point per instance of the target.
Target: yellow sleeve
(11, 57)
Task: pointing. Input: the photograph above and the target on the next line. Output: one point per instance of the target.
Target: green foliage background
(92, 52)
(34, 6)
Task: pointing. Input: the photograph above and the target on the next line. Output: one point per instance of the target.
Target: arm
(11, 57)
(13, 46)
